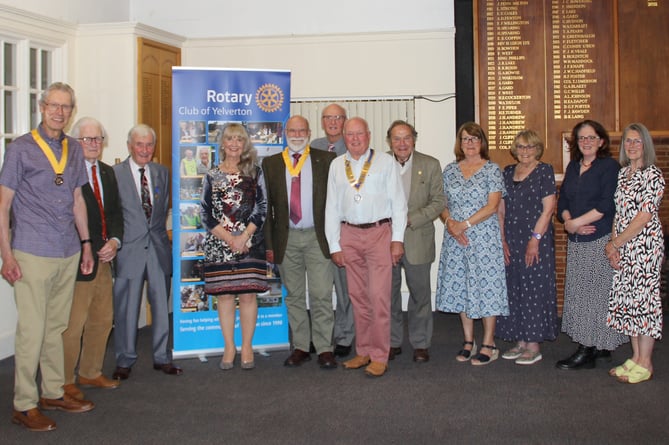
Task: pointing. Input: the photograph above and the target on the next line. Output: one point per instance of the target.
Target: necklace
(356, 184)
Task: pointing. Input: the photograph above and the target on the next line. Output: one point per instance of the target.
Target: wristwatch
(536, 235)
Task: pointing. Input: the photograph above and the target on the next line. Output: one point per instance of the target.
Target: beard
(297, 144)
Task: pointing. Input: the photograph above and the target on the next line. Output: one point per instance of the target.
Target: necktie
(98, 198)
(331, 147)
(295, 194)
(146, 194)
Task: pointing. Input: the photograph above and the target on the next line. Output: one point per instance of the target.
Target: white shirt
(381, 196)
(136, 175)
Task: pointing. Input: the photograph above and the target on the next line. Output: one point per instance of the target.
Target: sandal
(623, 369)
(464, 354)
(484, 359)
(637, 374)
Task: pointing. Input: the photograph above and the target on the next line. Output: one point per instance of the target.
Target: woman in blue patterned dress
(636, 252)
(529, 251)
(586, 208)
(234, 207)
(471, 278)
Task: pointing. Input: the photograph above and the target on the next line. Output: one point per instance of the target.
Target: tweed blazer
(278, 214)
(426, 202)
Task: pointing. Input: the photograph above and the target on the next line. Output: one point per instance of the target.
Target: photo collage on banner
(204, 101)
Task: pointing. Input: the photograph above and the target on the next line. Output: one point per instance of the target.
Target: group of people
(332, 211)
(498, 256)
(68, 224)
(338, 211)
(329, 212)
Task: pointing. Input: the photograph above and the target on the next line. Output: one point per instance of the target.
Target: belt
(369, 225)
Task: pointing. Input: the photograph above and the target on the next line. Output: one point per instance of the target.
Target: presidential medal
(59, 180)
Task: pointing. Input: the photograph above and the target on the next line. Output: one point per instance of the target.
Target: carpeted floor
(442, 401)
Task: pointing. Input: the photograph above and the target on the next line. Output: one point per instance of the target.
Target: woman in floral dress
(471, 278)
(636, 252)
(233, 211)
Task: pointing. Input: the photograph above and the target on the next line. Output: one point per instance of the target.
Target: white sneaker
(529, 358)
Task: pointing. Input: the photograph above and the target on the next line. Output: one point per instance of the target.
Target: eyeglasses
(91, 141)
(525, 147)
(55, 107)
(470, 139)
(629, 141)
(335, 118)
(588, 138)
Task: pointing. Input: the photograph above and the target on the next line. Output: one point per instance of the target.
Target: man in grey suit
(295, 240)
(145, 256)
(423, 188)
(332, 122)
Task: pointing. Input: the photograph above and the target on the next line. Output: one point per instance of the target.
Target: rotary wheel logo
(269, 98)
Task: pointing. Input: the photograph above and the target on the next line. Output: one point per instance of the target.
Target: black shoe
(603, 354)
(583, 358)
(342, 351)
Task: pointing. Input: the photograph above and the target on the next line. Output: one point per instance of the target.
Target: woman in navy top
(586, 208)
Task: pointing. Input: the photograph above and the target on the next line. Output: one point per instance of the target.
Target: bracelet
(84, 241)
(446, 220)
(469, 226)
(614, 244)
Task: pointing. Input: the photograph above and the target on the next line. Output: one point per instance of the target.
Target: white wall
(228, 18)
(339, 59)
(76, 11)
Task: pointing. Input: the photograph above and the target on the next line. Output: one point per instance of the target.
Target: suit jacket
(426, 202)
(278, 213)
(322, 144)
(142, 238)
(113, 215)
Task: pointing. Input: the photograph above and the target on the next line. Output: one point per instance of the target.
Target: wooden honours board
(548, 64)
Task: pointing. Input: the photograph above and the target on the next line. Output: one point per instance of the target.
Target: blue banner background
(203, 100)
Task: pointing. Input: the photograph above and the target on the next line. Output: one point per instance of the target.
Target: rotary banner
(204, 101)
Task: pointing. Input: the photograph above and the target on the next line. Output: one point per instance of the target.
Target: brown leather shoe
(376, 369)
(326, 360)
(297, 358)
(99, 382)
(67, 403)
(34, 420)
(121, 373)
(393, 352)
(73, 391)
(168, 368)
(356, 362)
(421, 355)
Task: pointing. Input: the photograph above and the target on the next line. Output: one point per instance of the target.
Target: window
(27, 69)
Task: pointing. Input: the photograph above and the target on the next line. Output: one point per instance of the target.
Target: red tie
(98, 198)
(146, 194)
(295, 194)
